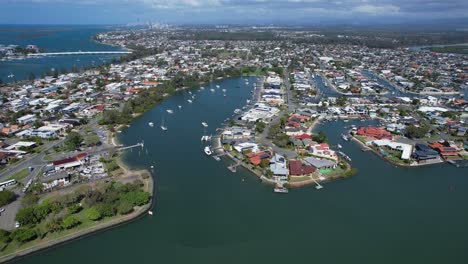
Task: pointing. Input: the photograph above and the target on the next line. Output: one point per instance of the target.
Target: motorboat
(204, 124)
(344, 137)
(212, 90)
(190, 101)
(151, 124)
(169, 111)
(180, 106)
(207, 150)
(217, 86)
(281, 190)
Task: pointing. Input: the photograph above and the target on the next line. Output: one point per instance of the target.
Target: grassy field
(20, 174)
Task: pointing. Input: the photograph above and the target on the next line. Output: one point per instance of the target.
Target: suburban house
(279, 167)
(374, 132)
(61, 178)
(72, 162)
(320, 164)
(297, 168)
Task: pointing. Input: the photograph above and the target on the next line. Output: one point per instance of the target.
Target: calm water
(52, 39)
(206, 214)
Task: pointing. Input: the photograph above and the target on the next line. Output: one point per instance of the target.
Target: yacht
(207, 150)
(151, 124)
(169, 111)
(204, 124)
(281, 190)
(190, 101)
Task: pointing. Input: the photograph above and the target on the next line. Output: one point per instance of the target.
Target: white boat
(248, 101)
(207, 150)
(318, 187)
(151, 124)
(212, 90)
(189, 92)
(344, 137)
(205, 138)
(237, 111)
(204, 124)
(202, 88)
(163, 127)
(216, 158)
(190, 101)
(217, 86)
(339, 146)
(180, 106)
(169, 111)
(224, 90)
(281, 190)
(150, 212)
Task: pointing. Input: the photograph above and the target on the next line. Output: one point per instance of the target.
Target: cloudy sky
(227, 11)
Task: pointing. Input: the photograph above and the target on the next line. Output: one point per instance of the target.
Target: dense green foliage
(6, 197)
(321, 137)
(66, 211)
(72, 141)
(413, 131)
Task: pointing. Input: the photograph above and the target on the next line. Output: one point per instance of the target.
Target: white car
(2, 210)
(17, 224)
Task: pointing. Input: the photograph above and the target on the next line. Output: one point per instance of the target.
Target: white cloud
(376, 10)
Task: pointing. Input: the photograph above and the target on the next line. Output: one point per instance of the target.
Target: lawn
(20, 174)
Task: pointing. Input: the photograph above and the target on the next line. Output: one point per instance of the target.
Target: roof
(319, 163)
(296, 167)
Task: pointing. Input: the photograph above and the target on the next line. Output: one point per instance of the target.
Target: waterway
(52, 39)
(206, 214)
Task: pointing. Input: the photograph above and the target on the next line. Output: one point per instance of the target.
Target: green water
(206, 214)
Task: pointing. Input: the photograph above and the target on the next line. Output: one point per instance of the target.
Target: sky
(229, 11)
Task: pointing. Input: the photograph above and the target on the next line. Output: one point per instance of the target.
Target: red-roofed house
(70, 162)
(297, 168)
(444, 150)
(303, 136)
(374, 132)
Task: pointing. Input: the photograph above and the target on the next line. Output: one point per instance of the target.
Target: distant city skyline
(230, 11)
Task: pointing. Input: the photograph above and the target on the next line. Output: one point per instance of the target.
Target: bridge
(77, 53)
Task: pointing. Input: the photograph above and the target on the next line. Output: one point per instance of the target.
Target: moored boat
(281, 190)
(207, 150)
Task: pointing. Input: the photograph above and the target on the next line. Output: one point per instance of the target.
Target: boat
(190, 92)
(204, 124)
(202, 88)
(344, 137)
(237, 111)
(190, 101)
(248, 101)
(217, 86)
(180, 106)
(339, 146)
(212, 90)
(205, 138)
(151, 124)
(207, 150)
(169, 111)
(150, 212)
(318, 187)
(281, 190)
(163, 127)
(224, 90)
(216, 158)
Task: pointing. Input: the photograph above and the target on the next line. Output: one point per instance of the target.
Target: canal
(206, 214)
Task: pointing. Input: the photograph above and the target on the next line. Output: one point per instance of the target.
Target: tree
(72, 141)
(341, 101)
(26, 216)
(260, 127)
(136, 198)
(106, 210)
(4, 236)
(264, 163)
(124, 208)
(6, 197)
(321, 137)
(70, 222)
(93, 214)
(24, 234)
(74, 208)
(92, 140)
(413, 131)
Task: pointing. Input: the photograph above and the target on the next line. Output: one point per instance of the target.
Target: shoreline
(111, 223)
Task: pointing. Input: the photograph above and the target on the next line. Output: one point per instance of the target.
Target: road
(291, 107)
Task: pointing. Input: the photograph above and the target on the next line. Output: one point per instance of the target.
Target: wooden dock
(233, 168)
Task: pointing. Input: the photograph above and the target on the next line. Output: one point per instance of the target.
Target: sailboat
(163, 127)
